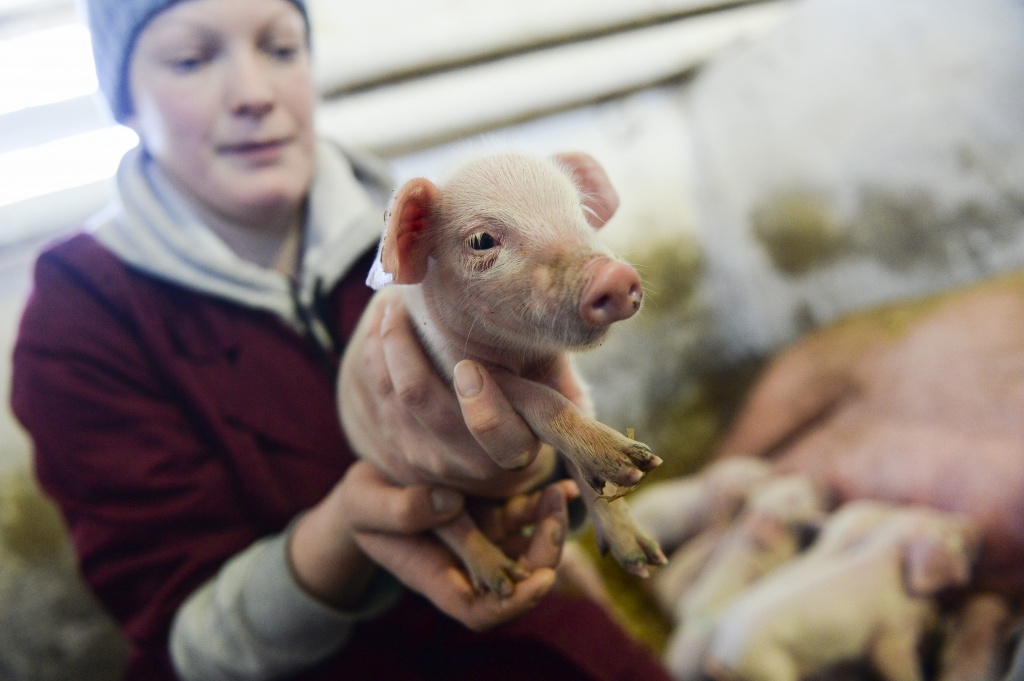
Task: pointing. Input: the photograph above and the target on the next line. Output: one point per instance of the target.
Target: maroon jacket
(174, 429)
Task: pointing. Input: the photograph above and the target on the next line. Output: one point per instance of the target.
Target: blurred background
(781, 164)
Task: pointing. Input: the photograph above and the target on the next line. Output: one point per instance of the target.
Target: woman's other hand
(368, 520)
(425, 565)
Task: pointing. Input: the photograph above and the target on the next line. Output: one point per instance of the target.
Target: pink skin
(613, 294)
(930, 415)
(501, 266)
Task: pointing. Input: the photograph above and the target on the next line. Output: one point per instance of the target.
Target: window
(53, 134)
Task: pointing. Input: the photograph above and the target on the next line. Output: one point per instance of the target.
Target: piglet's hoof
(497, 574)
(616, 532)
(635, 553)
(488, 568)
(616, 470)
(641, 456)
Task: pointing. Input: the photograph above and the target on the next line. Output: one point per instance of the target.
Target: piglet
(866, 590)
(501, 265)
(674, 511)
(766, 535)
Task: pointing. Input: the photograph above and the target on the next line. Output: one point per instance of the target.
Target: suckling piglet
(677, 510)
(501, 265)
(865, 590)
(765, 535)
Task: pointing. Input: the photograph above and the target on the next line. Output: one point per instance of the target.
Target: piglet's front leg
(618, 533)
(596, 456)
(608, 462)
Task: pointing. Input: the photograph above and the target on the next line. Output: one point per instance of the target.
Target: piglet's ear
(933, 563)
(600, 200)
(408, 236)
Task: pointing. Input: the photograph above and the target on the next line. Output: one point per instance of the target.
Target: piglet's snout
(613, 293)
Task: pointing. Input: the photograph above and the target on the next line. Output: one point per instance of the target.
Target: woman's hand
(367, 520)
(400, 414)
(424, 564)
(327, 560)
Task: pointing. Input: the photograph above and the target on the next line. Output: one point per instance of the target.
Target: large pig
(910, 404)
(500, 265)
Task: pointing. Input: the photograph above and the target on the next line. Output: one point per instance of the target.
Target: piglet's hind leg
(489, 569)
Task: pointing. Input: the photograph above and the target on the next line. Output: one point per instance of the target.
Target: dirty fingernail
(444, 500)
(468, 380)
(544, 585)
(520, 461)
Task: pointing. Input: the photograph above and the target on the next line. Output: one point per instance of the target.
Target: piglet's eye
(482, 241)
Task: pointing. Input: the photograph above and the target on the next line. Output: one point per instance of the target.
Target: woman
(176, 368)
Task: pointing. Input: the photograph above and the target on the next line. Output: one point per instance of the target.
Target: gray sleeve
(1016, 670)
(254, 621)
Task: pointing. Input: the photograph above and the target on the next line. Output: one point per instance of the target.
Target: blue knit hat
(115, 25)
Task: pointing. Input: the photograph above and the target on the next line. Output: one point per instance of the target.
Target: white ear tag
(378, 278)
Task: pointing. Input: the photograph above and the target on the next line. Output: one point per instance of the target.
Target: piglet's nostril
(636, 295)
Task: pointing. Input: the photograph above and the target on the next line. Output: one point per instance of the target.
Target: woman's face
(223, 99)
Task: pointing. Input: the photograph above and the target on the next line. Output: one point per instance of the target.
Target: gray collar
(152, 228)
